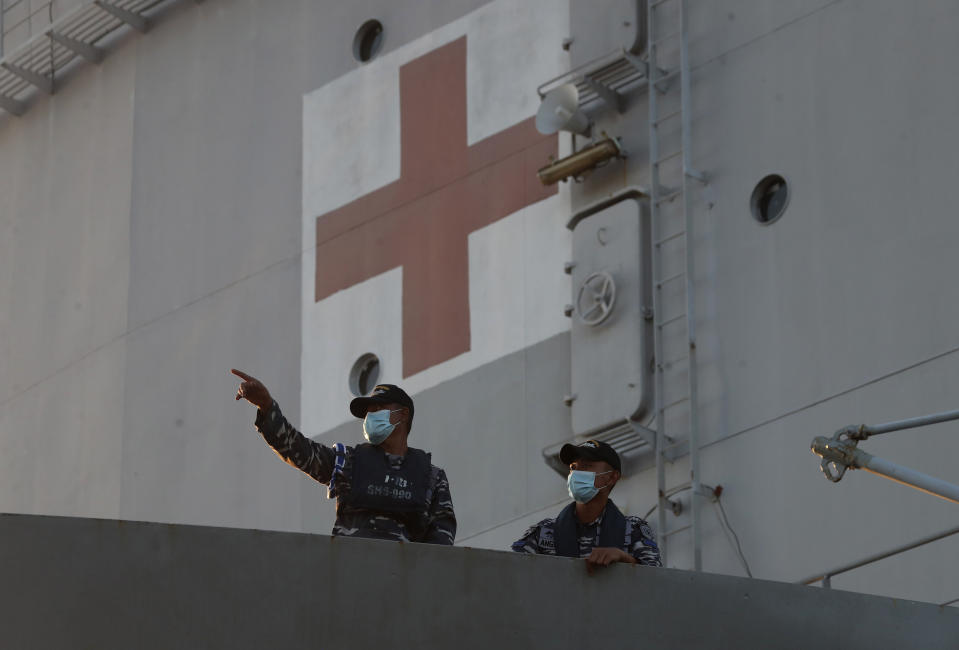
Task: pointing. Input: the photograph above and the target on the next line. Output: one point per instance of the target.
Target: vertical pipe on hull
(690, 313)
(651, 73)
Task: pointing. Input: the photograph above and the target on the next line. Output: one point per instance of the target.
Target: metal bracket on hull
(89, 52)
(133, 19)
(42, 82)
(12, 106)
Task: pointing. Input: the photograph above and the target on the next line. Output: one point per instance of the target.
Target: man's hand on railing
(606, 555)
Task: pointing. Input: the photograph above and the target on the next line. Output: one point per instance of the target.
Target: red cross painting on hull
(421, 222)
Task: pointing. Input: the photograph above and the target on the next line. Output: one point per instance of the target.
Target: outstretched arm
(292, 446)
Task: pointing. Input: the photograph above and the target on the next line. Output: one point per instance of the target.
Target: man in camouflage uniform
(383, 488)
(592, 527)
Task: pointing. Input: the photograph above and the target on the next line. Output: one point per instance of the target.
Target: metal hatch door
(601, 27)
(610, 332)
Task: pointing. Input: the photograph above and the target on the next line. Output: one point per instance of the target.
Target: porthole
(364, 375)
(769, 199)
(368, 39)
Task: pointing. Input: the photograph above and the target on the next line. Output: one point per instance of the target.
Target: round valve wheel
(596, 298)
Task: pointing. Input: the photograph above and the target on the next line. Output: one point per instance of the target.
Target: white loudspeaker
(560, 112)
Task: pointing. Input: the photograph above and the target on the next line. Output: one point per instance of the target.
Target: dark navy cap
(382, 394)
(590, 450)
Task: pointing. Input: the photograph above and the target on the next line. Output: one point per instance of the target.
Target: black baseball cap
(590, 450)
(382, 394)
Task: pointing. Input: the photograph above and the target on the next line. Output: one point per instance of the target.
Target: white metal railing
(839, 453)
(826, 577)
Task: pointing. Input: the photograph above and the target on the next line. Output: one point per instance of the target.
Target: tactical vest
(399, 493)
(612, 530)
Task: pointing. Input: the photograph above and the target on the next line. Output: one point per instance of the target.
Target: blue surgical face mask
(377, 427)
(582, 486)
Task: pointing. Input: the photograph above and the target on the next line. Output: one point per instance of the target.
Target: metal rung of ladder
(675, 450)
(671, 320)
(666, 77)
(677, 402)
(675, 235)
(674, 531)
(660, 161)
(675, 361)
(661, 283)
(667, 116)
(665, 38)
(666, 198)
(657, 3)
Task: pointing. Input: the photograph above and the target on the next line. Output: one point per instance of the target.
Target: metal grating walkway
(33, 67)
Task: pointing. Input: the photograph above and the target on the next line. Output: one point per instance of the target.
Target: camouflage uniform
(334, 467)
(639, 540)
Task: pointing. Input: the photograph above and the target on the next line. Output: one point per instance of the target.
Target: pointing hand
(252, 390)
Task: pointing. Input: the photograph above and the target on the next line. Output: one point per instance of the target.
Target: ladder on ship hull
(671, 174)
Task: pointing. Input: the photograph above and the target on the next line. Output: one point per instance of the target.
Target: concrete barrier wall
(85, 583)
